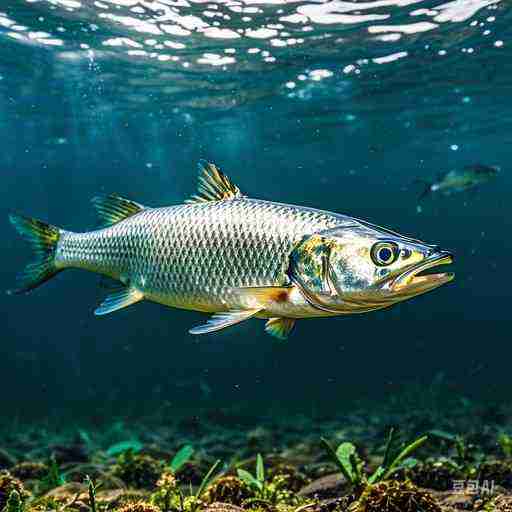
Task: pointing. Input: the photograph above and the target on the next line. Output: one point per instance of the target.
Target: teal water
(339, 105)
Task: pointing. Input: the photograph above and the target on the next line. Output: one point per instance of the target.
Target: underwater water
(338, 105)
(398, 112)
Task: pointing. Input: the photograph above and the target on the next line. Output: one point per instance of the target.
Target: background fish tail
(427, 189)
(43, 239)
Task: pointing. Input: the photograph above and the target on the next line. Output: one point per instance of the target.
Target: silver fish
(236, 257)
(459, 180)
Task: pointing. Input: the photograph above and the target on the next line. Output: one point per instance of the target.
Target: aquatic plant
(228, 489)
(351, 465)
(53, 478)
(120, 497)
(438, 474)
(499, 504)
(195, 499)
(458, 441)
(263, 489)
(505, 442)
(466, 459)
(295, 479)
(181, 458)
(170, 496)
(375, 492)
(167, 480)
(138, 506)
(8, 484)
(392, 496)
(92, 489)
(167, 485)
(166, 490)
(255, 482)
(133, 445)
(138, 470)
(14, 503)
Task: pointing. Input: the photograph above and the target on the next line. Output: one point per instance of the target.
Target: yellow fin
(119, 300)
(219, 321)
(113, 208)
(280, 328)
(214, 186)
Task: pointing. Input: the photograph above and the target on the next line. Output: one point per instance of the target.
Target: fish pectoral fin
(114, 208)
(213, 185)
(119, 300)
(221, 320)
(262, 296)
(280, 328)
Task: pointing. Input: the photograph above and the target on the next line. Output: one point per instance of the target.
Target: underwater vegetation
(344, 468)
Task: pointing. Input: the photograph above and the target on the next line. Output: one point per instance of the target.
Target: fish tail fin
(43, 239)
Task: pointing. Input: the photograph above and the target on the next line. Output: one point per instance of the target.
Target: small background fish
(460, 180)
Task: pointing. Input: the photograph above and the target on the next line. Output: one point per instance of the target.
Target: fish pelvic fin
(213, 185)
(280, 328)
(113, 208)
(43, 239)
(119, 300)
(220, 321)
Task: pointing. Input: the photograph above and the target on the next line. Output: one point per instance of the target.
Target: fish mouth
(414, 280)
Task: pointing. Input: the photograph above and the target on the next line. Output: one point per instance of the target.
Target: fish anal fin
(213, 185)
(114, 208)
(263, 296)
(119, 300)
(222, 320)
(280, 328)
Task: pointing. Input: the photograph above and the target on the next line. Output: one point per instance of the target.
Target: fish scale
(193, 255)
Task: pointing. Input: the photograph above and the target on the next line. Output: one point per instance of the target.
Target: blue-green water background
(319, 120)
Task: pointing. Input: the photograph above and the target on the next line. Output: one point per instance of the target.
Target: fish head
(359, 267)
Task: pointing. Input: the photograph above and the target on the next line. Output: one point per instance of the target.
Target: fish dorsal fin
(213, 185)
(114, 208)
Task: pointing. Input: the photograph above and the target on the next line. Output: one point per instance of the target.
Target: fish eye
(384, 253)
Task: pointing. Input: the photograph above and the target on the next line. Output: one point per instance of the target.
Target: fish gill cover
(355, 107)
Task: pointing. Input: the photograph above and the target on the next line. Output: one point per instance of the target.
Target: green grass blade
(377, 475)
(181, 458)
(445, 436)
(207, 478)
(389, 444)
(260, 468)
(133, 445)
(246, 477)
(410, 448)
(334, 455)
